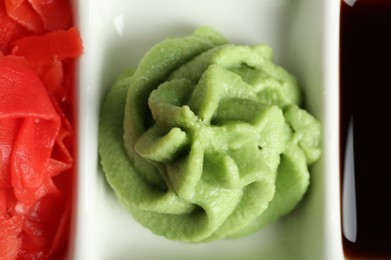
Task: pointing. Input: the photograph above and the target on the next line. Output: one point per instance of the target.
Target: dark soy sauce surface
(365, 148)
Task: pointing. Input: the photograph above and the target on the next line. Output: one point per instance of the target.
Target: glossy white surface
(116, 34)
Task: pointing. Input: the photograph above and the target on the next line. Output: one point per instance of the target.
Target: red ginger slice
(23, 13)
(9, 29)
(43, 49)
(23, 96)
(54, 14)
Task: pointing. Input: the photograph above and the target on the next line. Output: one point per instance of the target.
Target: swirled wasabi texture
(205, 139)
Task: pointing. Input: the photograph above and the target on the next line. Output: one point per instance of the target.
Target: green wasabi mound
(205, 140)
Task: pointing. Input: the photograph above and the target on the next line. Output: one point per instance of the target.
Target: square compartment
(304, 35)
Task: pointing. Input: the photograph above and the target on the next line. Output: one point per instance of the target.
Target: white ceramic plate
(116, 34)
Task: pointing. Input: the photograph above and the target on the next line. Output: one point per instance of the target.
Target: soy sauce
(365, 148)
